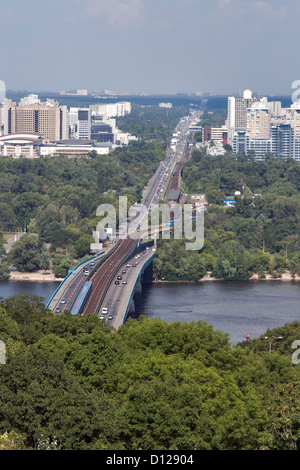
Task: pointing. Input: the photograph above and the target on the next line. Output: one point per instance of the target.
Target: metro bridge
(106, 283)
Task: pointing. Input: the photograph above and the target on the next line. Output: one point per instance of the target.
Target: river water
(236, 308)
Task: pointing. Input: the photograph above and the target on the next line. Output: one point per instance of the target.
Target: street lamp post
(271, 340)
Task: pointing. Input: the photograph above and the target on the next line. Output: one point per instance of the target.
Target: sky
(151, 46)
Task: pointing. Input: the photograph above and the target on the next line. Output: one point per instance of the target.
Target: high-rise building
(240, 141)
(80, 123)
(259, 121)
(84, 123)
(296, 154)
(283, 141)
(295, 117)
(260, 146)
(237, 110)
(46, 119)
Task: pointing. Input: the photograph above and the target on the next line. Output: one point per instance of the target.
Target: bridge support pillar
(131, 306)
(138, 287)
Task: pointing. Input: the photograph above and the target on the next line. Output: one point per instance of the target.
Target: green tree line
(72, 383)
(55, 200)
(259, 234)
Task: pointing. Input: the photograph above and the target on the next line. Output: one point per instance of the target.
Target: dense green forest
(72, 383)
(152, 123)
(260, 234)
(56, 199)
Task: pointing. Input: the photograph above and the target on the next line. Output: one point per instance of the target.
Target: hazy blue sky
(155, 46)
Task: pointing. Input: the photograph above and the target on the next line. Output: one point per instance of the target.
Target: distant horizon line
(180, 93)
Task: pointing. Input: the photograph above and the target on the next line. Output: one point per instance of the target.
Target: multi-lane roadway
(103, 271)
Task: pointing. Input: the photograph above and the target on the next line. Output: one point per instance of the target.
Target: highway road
(117, 299)
(103, 276)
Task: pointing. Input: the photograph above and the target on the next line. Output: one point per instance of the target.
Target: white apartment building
(111, 110)
(259, 121)
(237, 109)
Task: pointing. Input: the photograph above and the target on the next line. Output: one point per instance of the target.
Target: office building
(84, 123)
(47, 119)
(80, 123)
(216, 134)
(103, 131)
(74, 148)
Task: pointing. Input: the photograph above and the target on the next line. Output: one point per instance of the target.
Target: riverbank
(286, 276)
(39, 276)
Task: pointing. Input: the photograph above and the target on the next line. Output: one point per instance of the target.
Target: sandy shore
(286, 276)
(39, 276)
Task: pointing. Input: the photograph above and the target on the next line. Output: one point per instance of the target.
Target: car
(62, 301)
(127, 265)
(86, 273)
(101, 317)
(124, 271)
(104, 311)
(134, 265)
(58, 310)
(110, 317)
(119, 278)
(124, 282)
(117, 282)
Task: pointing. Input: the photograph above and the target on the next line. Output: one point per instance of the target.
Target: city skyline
(146, 46)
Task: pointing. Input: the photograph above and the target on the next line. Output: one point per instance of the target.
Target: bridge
(106, 283)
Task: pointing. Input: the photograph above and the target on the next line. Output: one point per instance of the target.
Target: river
(236, 308)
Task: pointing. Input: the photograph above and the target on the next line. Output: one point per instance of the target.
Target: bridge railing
(70, 274)
(142, 269)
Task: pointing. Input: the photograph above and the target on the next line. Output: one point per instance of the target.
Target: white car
(104, 311)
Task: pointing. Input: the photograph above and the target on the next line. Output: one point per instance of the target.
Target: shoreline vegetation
(285, 276)
(49, 276)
